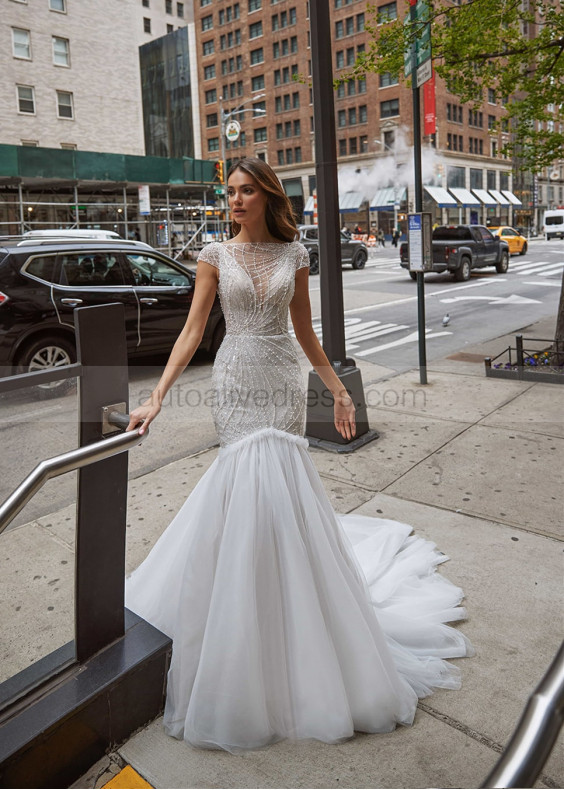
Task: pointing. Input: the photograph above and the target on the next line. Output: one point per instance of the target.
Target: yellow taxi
(517, 243)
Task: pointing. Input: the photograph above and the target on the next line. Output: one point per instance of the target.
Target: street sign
(424, 72)
(419, 239)
(422, 43)
(232, 131)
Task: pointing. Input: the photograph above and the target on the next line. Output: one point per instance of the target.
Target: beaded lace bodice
(257, 378)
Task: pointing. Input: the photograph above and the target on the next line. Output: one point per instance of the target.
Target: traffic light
(219, 171)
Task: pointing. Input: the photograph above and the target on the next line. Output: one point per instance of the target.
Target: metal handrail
(69, 462)
(536, 733)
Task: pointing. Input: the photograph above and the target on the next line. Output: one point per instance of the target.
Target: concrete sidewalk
(475, 465)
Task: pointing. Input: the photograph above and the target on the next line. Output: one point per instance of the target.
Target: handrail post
(519, 349)
(102, 486)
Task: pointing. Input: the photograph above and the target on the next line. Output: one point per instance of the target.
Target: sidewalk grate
(128, 778)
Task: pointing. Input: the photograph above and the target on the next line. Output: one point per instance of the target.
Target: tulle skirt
(288, 620)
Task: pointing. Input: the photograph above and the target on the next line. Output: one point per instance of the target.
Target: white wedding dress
(287, 620)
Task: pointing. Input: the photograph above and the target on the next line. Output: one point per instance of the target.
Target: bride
(287, 620)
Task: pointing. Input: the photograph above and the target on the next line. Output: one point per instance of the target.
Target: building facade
(71, 71)
(257, 53)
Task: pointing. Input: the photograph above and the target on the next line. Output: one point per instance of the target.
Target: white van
(553, 223)
(72, 233)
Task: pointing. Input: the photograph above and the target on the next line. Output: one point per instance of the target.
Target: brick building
(260, 49)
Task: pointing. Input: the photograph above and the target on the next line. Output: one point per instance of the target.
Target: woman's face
(247, 200)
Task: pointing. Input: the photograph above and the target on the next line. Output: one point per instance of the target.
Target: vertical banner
(144, 200)
(430, 117)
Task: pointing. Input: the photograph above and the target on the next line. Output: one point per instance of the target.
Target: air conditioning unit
(554, 175)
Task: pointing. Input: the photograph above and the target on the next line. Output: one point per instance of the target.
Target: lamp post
(225, 117)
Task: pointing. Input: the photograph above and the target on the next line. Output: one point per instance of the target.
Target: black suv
(352, 251)
(42, 281)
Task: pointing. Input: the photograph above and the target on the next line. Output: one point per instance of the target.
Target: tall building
(71, 71)
(256, 54)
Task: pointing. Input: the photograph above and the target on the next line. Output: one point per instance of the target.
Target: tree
(514, 47)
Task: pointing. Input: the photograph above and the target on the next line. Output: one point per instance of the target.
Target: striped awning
(441, 197)
(484, 197)
(513, 199)
(349, 201)
(464, 197)
(385, 199)
(499, 198)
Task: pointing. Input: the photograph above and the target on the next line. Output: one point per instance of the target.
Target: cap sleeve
(302, 257)
(210, 254)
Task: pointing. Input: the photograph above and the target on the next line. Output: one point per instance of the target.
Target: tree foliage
(514, 47)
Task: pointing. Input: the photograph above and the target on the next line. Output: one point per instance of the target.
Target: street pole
(320, 428)
(418, 196)
(223, 163)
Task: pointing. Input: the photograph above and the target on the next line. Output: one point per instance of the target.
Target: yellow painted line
(128, 779)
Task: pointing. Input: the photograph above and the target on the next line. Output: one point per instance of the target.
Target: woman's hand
(345, 421)
(144, 414)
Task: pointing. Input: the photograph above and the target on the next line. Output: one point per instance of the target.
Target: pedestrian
(395, 237)
(137, 234)
(381, 237)
(276, 633)
(346, 231)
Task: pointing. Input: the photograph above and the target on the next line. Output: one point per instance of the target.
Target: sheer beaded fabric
(287, 619)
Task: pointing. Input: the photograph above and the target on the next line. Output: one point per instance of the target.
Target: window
(209, 72)
(297, 154)
(389, 108)
(359, 23)
(286, 101)
(349, 25)
(297, 128)
(280, 155)
(211, 96)
(363, 113)
(145, 3)
(255, 30)
(21, 43)
(260, 134)
(350, 56)
(387, 79)
(170, 28)
(494, 148)
(363, 143)
(353, 146)
(26, 99)
(491, 96)
(455, 175)
(213, 144)
(289, 156)
(361, 85)
(342, 118)
(279, 131)
(257, 56)
(30, 143)
(342, 147)
(146, 24)
(211, 120)
(352, 116)
(254, 5)
(296, 100)
(180, 10)
(61, 51)
(504, 181)
(491, 122)
(387, 12)
(339, 29)
(57, 5)
(278, 104)
(168, 6)
(207, 22)
(476, 178)
(257, 83)
(288, 129)
(389, 140)
(259, 107)
(204, 3)
(491, 179)
(64, 104)
(340, 59)
(208, 47)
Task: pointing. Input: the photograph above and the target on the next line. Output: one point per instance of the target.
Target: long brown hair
(280, 219)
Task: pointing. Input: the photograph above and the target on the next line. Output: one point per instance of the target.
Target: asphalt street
(380, 326)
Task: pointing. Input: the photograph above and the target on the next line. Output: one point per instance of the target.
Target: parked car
(461, 248)
(553, 223)
(352, 251)
(517, 243)
(43, 281)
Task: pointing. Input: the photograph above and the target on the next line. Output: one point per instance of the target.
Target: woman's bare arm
(184, 348)
(300, 311)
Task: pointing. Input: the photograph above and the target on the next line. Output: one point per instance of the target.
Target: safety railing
(54, 705)
(536, 733)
